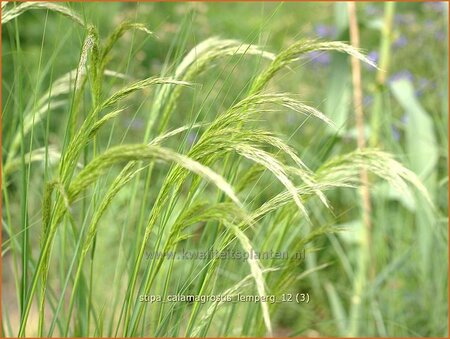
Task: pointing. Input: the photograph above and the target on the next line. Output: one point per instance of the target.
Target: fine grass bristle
(126, 153)
(16, 10)
(296, 51)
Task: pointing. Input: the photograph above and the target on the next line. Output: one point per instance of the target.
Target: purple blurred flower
(441, 35)
(325, 31)
(400, 42)
(192, 136)
(319, 58)
(404, 118)
(434, 6)
(134, 124)
(395, 133)
(374, 57)
(402, 75)
(404, 19)
(367, 100)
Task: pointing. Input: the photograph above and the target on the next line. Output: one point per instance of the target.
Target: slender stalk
(23, 186)
(365, 249)
(383, 71)
(385, 46)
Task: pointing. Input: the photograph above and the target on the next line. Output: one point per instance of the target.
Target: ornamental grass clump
(203, 194)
